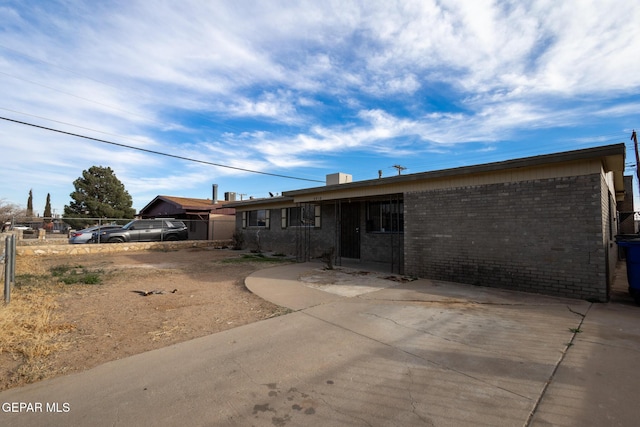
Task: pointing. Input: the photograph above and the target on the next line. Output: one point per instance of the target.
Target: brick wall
(385, 248)
(542, 236)
(610, 228)
(291, 240)
(374, 247)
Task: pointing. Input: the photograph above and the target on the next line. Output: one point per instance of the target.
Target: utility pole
(634, 138)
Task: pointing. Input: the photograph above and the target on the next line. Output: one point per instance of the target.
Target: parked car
(26, 229)
(147, 230)
(87, 235)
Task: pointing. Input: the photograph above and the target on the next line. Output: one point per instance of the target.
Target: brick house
(543, 224)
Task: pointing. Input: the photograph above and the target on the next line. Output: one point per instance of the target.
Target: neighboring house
(205, 218)
(626, 209)
(543, 224)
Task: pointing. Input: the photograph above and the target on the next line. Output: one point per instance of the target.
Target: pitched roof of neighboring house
(173, 205)
(610, 158)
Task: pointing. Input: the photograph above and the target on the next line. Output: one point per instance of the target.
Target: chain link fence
(219, 227)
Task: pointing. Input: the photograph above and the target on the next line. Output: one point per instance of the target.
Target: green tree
(47, 209)
(30, 204)
(99, 194)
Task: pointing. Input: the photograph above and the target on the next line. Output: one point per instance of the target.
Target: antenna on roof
(400, 168)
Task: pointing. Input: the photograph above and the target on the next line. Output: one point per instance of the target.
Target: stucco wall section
(543, 235)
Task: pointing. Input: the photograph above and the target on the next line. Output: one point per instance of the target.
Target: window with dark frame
(302, 216)
(385, 216)
(307, 215)
(256, 218)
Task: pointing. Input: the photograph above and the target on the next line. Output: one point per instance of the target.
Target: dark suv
(146, 230)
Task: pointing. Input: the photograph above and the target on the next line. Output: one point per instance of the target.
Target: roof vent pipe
(214, 200)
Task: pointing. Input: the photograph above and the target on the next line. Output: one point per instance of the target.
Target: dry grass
(93, 322)
(29, 332)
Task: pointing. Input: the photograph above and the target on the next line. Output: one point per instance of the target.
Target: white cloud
(593, 47)
(273, 85)
(276, 106)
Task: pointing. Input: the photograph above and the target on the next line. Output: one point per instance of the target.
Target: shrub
(238, 240)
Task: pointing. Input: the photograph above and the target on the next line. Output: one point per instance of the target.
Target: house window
(257, 218)
(301, 216)
(386, 216)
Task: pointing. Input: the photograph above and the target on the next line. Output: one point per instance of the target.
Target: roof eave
(258, 202)
(613, 161)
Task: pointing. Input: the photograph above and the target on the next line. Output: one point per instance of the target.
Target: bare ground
(192, 293)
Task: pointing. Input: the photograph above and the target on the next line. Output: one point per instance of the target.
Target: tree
(99, 194)
(47, 209)
(30, 204)
(9, 211)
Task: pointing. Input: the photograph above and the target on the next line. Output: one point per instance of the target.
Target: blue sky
(304, 89)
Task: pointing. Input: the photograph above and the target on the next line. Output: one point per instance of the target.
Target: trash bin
(631, 244)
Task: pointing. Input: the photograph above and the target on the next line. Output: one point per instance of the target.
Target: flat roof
(610, 153)
(612, 157)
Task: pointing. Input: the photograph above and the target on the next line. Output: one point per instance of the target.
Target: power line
(55, 65)
(71, 124)
(75, 96)
(157, 152)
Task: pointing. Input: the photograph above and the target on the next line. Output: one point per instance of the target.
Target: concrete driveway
(360, 349)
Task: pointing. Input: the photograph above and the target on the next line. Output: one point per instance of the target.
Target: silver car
(87, 235)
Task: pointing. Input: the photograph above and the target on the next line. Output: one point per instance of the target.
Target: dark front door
(350, 230)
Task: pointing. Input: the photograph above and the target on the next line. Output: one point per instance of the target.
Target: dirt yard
(73, 313)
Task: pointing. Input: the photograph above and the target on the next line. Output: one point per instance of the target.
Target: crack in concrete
(456, 302)
(426, 421)
(411, 328)
(435, 335)
(417, 356)
(609, 345)
(320, 398)
(557, 366)
(117, 417)
(245, 373)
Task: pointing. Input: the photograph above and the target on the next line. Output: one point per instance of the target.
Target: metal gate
(303, 236)
(349, 230)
